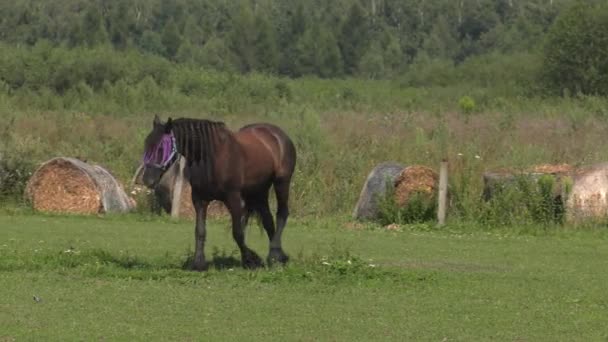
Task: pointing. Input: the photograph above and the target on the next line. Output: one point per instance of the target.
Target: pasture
(122, 278)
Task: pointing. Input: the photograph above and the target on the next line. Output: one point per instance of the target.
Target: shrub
(14, 174)
(419, 208)
(466, 104)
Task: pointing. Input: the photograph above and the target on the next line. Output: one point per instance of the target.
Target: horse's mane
(196, 140)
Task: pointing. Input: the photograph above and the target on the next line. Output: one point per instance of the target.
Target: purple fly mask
(162, 153)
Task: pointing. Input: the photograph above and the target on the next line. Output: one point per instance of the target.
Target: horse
(236, 168)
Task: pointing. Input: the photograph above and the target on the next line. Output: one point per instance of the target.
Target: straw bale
(588, 198)
(501, 178)
(415, 179)
(163, 193)
(68, 185)
(382, 176)
(186, 208)
(552, 168)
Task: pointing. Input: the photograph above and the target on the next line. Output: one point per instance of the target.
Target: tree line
(360, 38)
(375, 38)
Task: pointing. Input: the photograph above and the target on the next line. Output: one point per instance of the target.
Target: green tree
(216, 54)
(296, 26)
(576, 53)
(187, 53)
(119, 24)
(371, 64)
(93, 27)
(266, 49)
(171, 38)
(152, 42)
(193, 32)
(318, 53)
(354, 38)
(392, 56)
(441, 43)
(243, 37)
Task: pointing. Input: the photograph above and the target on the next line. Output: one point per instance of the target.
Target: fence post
(177, 189)
(136, 175)
(443, 192)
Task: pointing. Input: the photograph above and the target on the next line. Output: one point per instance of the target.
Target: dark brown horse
(237, 168)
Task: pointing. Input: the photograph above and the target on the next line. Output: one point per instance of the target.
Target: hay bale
(588, 197)
(68, 185)
(415, 179)
(494, 181)
(554, 169)
(164, 190)
(375, 187)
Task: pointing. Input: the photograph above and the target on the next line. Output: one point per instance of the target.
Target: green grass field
(122, 278)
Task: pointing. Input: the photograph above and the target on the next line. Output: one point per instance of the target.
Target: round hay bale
(413, 180)
(497, 180)
(554, 169)
(163, 193)
(588, 197)
(540, 191)
(375, 186)
(215, 209)
(68, 185)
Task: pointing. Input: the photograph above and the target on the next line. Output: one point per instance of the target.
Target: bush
(526, 201)
(466, 104)
(419, 208)
(14, 175)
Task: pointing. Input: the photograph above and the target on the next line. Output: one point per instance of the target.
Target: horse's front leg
(200, 232)
(236, 206)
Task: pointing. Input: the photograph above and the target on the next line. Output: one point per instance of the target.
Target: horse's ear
(168, 125)
(156, 120)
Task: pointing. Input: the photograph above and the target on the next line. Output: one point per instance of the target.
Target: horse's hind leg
(268, 223)
(249, 258)
(281, 188)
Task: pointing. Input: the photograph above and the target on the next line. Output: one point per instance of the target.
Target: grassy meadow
(342, 129)
(493, 273)
(123, 278)
(490, 86)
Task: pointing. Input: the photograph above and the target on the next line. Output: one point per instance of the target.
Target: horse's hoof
(252, 261)
(277, 255)
(200, 267)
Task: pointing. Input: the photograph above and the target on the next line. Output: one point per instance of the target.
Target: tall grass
(342, 128)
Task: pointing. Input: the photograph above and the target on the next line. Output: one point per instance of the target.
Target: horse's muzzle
(152, 175)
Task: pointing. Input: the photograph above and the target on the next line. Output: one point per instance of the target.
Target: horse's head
(160, 151)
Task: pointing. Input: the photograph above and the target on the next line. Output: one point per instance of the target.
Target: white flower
(477, 157)
(459, 154)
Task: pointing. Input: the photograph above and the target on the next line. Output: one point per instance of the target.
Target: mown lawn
(122, 278)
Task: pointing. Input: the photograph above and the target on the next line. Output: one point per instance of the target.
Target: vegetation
(122, 278)
(486, 84)
(374, 39)
(354, 83)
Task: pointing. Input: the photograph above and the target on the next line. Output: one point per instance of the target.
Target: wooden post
(135, 176)
(443, 192)
(177, 189)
